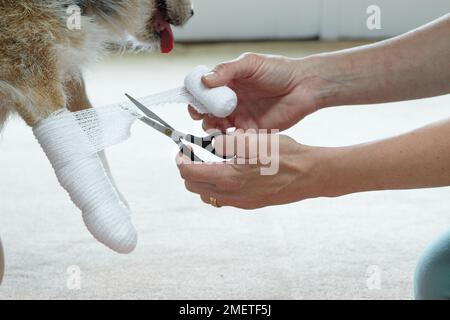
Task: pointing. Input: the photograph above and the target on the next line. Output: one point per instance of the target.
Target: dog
(44, 44)
(41, 57)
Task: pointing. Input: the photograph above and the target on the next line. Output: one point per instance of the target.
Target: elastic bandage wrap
(74, 144)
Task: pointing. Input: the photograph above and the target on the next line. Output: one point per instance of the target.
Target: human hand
(244, 186)
(418, 159)
(273, 92)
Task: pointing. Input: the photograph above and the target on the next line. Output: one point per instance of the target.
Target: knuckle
(188, 186)
(221, 67)
(204, 199)
(209, 124)
(185, 174)
(248, 55)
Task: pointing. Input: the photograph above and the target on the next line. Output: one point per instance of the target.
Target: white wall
(216, 20)
(252, 19)
(347, 18)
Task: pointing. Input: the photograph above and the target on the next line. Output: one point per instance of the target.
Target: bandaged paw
(71, 142)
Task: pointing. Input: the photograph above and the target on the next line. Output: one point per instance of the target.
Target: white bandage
(219, 102)
(73, 142)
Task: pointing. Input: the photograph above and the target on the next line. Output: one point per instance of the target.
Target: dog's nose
(192, 12)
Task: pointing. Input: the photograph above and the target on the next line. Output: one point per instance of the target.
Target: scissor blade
(164, 130)
(146, 111)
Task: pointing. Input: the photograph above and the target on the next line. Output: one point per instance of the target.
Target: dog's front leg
(78, 167)
(77, 100)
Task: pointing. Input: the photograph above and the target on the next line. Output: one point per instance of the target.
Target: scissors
(154, 121)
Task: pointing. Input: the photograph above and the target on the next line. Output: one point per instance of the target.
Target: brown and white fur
(41, 58)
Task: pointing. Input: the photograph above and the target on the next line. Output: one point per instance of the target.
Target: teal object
(432, 278)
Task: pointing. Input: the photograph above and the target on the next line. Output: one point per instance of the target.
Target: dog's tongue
(164, 29)
(167, 39)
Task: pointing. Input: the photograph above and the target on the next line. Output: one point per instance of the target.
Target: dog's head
(148, 21)
(161, 16)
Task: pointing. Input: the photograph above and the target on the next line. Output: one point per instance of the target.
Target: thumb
(243, 67)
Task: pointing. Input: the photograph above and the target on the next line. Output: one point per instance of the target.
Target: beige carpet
(315, 249)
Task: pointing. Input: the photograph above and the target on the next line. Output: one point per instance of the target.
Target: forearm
(419, 159)
(411, 66)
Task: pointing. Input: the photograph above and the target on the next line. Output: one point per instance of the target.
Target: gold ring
(213, 202)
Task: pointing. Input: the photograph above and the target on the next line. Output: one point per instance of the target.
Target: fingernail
(210, 76)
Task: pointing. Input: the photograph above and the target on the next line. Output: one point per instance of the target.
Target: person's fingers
(208, 199)
(194, 113)
(208, 188)
(239, 143)
(213, 123)
(205, 173)
(199, 187)
(210, 122)
(221, 175)
(243, 67)
(225, 145)
(182, 158)
(224, 201)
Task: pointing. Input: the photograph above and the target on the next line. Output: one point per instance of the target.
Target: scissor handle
(184, 149)
(207, 143)
(204, 142)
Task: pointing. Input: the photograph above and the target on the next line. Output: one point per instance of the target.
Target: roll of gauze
(220, 101)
